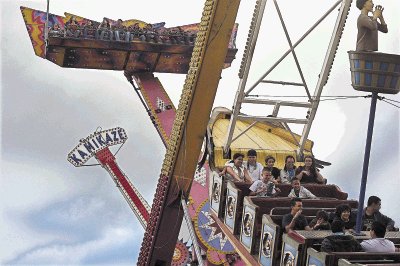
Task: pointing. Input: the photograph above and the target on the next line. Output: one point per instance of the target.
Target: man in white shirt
(299, 191)
(378, 243)
(253, 167)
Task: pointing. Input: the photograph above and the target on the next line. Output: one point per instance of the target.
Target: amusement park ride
(228, 225)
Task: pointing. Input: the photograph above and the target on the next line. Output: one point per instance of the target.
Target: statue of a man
(367, 37)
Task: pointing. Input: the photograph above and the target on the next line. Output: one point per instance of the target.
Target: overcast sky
(54, 213)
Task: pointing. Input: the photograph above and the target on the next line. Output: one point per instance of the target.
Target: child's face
(267, 176)
(296, 185)
(270, 162)
(252, 159)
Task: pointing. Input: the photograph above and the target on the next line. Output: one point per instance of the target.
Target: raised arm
(382, 26)
(289, 224)
(367, 22)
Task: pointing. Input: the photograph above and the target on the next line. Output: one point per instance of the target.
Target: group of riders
(119, 32)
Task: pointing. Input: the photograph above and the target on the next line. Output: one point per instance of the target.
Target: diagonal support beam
(188, 131)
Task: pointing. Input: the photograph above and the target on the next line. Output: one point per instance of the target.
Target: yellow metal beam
(188, 131)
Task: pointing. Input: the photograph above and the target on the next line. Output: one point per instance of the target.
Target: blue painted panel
(393, 82)
(267, 245)
(381, 81)
(368, 79)
(289, 255)
(230, 209)
(384, 66)
(357, 63)
(368, 76)
(357, 78)
(381, 78)
(312, 261)
(247, 239)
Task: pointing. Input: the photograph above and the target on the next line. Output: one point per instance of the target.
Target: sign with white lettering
(89, 146)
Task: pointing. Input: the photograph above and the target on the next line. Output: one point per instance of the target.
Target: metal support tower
(242, 94)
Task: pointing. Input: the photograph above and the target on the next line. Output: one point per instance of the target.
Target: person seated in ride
(120, 32)
(73, 28)
(339, 242)
(289, 171)
(104, 30)
(343, 213)
(57, 31)
(320, 222)
(295, 220)
(368, 27)
(269, 163)
(372, 214)
(378, 243)
(298, 191)
(255, 168)
(264, 187)
(151, 34)
(309, 173)
(89, 30)
(235, 170)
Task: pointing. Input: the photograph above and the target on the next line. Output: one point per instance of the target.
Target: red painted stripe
(131, 193)
(107, 158)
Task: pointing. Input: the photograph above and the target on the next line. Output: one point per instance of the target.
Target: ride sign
(94, 143)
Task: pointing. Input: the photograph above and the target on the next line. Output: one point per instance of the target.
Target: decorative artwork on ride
(231, 205)
(158, 101)
(79, 19)
(289, 257)
(210, 236)
(181, 254)
(35, 21)
(215, 192)
(267, 244)
(247, 224)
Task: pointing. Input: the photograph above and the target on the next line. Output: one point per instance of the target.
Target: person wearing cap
(253, 167)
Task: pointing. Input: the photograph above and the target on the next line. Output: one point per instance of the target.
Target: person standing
(368, 27)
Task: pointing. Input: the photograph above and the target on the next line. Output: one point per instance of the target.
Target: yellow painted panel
(266, 140)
